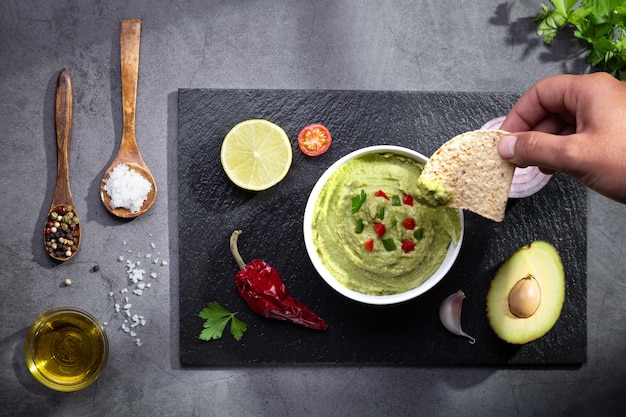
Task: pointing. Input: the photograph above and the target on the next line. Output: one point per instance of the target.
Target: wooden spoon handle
(130, 36)
(63, 101)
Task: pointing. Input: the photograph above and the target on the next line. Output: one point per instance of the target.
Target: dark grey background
(440, 45)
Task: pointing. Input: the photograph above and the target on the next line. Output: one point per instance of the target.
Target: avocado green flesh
(541, 260)
(431, 193)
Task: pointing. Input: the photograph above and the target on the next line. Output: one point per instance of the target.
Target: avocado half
(527, 294)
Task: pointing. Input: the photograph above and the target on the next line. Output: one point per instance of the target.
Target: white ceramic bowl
(453, 251)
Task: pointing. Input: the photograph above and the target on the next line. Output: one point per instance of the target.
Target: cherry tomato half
(314, 140)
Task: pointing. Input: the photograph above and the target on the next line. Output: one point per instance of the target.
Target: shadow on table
(565, 48)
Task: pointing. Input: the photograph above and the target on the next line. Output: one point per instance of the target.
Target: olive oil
(66, 349)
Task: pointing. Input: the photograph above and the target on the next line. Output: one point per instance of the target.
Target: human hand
(574, 124)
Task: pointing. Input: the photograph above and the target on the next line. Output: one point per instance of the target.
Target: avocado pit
(525, 297)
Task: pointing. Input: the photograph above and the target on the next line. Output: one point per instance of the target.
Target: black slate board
(211, 207)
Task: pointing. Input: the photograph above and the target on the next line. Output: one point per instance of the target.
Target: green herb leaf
(357, 201)
(216, 318)
(395, 200)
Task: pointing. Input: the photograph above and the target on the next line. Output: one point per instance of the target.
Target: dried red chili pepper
(263, 289)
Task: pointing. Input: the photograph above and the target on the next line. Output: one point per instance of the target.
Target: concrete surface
(399, 45)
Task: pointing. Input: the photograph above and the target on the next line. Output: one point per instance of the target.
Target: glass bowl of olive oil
(66, 349)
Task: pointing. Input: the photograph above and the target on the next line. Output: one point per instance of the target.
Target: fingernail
(506, 147)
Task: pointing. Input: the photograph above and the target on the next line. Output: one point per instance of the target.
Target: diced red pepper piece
(407, 200)
(409, 223)
(408, 245)
(380, 229)
(369, 245)
(381, 193)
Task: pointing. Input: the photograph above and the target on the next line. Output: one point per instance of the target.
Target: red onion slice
(526, 181)
(493, 123)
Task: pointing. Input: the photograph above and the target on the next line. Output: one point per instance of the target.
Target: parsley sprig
(216, 318)
(601, 23)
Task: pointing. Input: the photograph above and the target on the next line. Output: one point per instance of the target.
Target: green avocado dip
(372, 234)
(431, 193)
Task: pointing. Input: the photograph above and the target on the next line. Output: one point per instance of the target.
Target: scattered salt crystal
(148, 255)
(164, 263)
(105, 323)
(138, 342)
(141, 285)
(156, 260)
(137, 292)
(153, 275)
(152, 245)
(136, 275)
(133, 334)
(120, 258)
(111, 294)
(148, 285)
(117, 308)
(127, 188)
(123, 290)
(127, 306)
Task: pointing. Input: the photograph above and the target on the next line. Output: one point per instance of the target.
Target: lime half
(256, 154)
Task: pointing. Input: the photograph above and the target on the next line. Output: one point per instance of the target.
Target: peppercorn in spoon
(62, 228)
(128, 188)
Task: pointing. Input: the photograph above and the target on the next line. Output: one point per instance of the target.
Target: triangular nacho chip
(468, 173)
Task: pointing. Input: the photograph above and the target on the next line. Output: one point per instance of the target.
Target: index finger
(549, 99)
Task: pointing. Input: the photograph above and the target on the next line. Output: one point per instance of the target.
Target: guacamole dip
(372, 234)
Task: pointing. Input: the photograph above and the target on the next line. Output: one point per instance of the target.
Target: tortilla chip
(471, 171)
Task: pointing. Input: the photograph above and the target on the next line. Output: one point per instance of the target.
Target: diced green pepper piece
(389, 244)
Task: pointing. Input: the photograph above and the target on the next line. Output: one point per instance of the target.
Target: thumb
(535, 148)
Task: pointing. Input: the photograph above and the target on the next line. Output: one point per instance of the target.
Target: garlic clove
(450, 315)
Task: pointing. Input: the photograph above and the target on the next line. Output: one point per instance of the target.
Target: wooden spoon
(62, 230)
(128, 153)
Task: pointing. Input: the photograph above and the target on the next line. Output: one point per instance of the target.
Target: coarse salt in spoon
(62, 229)
(128, 188)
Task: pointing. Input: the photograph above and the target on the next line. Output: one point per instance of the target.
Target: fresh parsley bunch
(601, 23)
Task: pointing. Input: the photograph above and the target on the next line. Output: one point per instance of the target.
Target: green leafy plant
(216, 318)
(600, 23)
